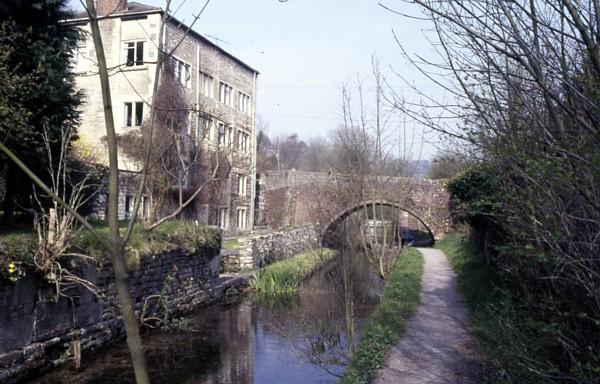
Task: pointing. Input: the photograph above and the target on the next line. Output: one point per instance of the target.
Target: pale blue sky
(306, 49)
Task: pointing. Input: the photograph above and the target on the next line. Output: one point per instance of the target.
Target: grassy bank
(513, 341)
(17, 248)
(231, 244)
(389, 320)
(286, 276)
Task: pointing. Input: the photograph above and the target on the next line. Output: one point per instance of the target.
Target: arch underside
(329, 232)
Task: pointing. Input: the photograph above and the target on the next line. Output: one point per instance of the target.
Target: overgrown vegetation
(447, 165)
(38, 94)
(389, 320)
(171, 235)
(231, 244)
(18, 248)
(513, 338)
(525, 76)
(286, 276)
(542, 315)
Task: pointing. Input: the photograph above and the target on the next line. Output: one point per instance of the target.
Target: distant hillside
(420, 167)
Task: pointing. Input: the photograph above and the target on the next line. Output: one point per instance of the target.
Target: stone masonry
(39, 333)
(294, 198)
(258, 250)
(219, 91)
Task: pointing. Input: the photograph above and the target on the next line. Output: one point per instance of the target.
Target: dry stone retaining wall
(39, 333)
(261, 249)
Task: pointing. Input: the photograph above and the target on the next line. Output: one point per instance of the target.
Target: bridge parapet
(293, 198)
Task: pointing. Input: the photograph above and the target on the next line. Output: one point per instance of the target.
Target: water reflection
(306, 338)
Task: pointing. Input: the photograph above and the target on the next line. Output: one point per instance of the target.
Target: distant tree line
(332, 154)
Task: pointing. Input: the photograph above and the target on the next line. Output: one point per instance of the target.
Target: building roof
(135, 8)
(132, 7)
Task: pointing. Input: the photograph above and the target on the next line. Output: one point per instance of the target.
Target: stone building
(219, 95)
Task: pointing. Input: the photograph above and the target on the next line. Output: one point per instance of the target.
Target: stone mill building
(218, 98)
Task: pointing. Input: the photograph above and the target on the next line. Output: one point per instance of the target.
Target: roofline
(206, 40)
(78, 20)
(171, 19)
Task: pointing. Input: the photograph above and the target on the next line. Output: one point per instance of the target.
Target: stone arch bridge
(293, 198)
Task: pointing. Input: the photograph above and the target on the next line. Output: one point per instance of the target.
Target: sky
(306, 50)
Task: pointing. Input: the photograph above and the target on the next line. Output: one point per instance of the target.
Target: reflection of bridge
(297, 197)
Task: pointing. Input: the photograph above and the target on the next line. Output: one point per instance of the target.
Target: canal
(303, 338)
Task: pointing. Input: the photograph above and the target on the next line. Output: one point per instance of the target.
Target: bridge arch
(331, 225)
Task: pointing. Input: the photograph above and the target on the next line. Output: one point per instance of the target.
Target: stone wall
(140, 23)
(299, 198)
(259, 250)
(39, 333)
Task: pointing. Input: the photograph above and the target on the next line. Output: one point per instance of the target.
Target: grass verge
(231, 244)
(389, 320)
(285, 277)
(474, 275)
(17, 248)
(512, 340)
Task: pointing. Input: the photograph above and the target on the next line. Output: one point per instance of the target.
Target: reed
(285, 277)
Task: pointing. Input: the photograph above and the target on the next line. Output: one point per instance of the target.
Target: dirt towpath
(437, 346)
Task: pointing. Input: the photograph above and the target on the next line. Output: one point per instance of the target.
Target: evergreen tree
(38, 89)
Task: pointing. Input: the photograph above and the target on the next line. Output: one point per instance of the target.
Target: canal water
(305, 338)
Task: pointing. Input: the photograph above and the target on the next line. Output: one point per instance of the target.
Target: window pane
(128, 206)
(130, 54)
(139, 111)
(128, 113)
(139, 57)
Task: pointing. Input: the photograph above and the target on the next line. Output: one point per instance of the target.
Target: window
(145, 207)
(241, 218)
(181, 72)
(221, 130)
(229, 136)
(223, 218)
(134, 113)
(225, 135)
(134, 53)
(225, 92)
(243, 102)
(242, 183)
(206, 85)
(128, 206)
(203, 129)
(243, 139)
(203, 214)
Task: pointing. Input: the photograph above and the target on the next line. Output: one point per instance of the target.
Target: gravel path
(437, 346)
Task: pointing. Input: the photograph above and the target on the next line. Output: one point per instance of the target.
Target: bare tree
(524, 77)
(54, 225)
(368, 160)
(187, 158)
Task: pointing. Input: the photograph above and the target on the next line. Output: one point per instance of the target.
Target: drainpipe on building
(253, 170)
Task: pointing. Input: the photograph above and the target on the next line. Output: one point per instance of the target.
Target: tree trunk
(134, 340)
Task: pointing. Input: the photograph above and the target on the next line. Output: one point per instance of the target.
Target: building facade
(217, 93)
